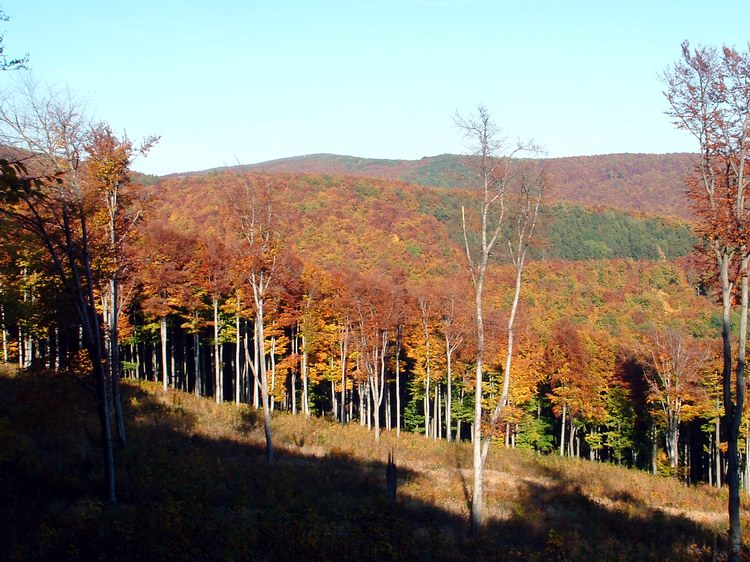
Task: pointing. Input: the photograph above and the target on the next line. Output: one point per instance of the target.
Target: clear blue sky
(249, 81)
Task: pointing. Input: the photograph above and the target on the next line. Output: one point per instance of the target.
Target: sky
(226, 82)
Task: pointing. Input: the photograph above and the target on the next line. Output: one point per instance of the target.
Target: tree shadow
(185, 494)
(574, 525)
(459, 472)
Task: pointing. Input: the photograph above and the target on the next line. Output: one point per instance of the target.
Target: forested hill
(649, 183)
(376, 220)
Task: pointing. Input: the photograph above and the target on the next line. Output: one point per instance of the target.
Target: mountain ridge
(646, 183)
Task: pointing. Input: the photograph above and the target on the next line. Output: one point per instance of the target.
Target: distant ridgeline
(647, 183)
(599, 207)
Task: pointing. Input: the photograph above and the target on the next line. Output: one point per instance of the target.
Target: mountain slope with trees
(648, 183)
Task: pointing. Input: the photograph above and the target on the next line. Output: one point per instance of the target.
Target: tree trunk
(458, 419)
(562, 430)
(218, 390)
(477, 496)
(273, 373)
(439, 412)
(256, 367)
(164, 363)
(114, 343)
(343, 351)
(237, 363)
(449, 390)
(388, 407)
(734, 409)
(717, 450)
(264, 379)
(197, 359)
(426, 329)
(571, 439)
(398, 380)
(4, 328)
(305, 383)
(362, 406)
(672, 442)
(295, 353)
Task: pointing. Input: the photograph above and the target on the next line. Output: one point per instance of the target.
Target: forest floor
(193, 484)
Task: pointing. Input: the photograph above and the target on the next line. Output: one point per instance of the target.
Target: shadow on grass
(187, 496)
(557, 510)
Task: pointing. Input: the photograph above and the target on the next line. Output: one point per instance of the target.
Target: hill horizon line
(641, 182)
(373, 159)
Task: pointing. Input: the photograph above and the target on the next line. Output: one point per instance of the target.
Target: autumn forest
(561, 308)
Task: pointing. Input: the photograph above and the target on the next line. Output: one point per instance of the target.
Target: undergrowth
(193, 484)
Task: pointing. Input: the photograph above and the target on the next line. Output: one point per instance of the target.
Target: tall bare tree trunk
(218, 390)
(449, 390)
(259, 303)
(377, 380)
(237, 350)
(164, 363)
(717, 450)
(733, 409)
(114, 343)
(426, 329)
(398, 380)
(197, 359)
(305, 381)
(295, 352)
(477, 496)
(343, 352)
(562, 429)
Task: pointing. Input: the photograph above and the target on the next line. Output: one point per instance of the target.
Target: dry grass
(194, 484)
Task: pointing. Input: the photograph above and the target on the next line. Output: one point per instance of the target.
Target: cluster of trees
(365, 313)
(337, 296)
(576, 233)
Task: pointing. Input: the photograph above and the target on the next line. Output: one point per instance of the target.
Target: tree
(453, 336)
(106, 173)
(163, 262)
(708, 91)
(252, 199)
(375, 300)
(673, 366)
(504, 195)
(211, 261)
(52, 205)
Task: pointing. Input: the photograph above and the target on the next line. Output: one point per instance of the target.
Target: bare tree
(509, 204)
(52, 127)
(253, 206)
(709, 95)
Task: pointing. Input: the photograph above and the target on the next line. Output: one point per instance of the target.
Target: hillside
(370, 221)
(194, 485)
(650, 183)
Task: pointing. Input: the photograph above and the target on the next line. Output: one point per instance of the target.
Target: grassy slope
(193, 484)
